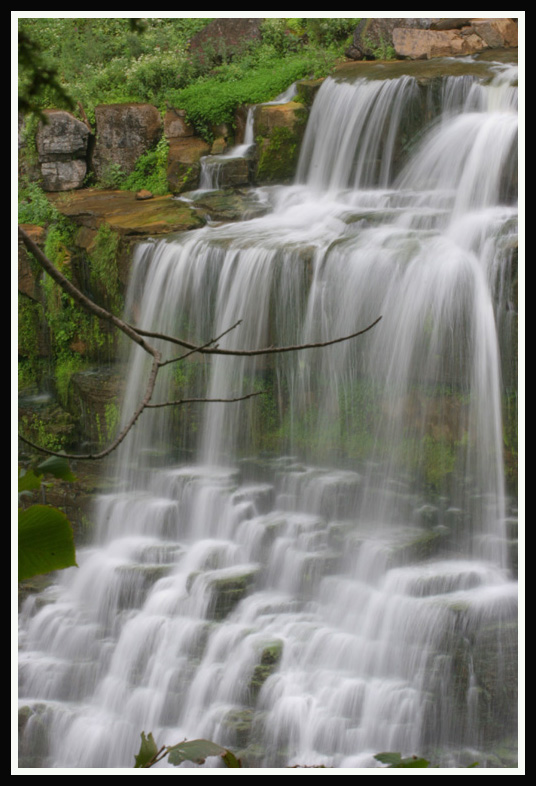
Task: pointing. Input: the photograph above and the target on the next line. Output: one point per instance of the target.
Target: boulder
(450, 42)
(223, 39)
(423, 38)
(61, 137)
(372, 37)
(62, 147)
(124, 133)
(228, 172)
(443, 41)
(496, 33)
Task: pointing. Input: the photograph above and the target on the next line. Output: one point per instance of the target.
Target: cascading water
(212, 166)
(332, 578)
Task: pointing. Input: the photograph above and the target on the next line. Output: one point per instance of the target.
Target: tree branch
(204, 400)
(251, 352)
(138, 336)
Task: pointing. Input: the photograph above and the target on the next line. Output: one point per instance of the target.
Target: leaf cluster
(44, 533)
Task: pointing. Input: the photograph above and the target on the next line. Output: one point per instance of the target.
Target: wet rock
(127, 215)
(228, 591)
(268, 663)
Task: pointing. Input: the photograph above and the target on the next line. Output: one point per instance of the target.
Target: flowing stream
(325, 571)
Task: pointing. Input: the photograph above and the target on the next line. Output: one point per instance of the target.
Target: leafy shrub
(215, 99)
(150, 171)
(34, 207)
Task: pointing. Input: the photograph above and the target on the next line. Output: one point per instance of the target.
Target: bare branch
(137, 335)
(252, 352)
(200, 349)
(204, 400)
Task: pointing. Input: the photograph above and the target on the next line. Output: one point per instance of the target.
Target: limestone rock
(183, 163)
(63, 175)
(450, 24)
(280, 128)
(124, 133)
(176, 125)
(465, 40)
(496, 32)
(62, 137)
(372, 35)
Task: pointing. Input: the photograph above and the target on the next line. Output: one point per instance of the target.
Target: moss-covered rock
(279, 132)
(268, 663)
(227, 591)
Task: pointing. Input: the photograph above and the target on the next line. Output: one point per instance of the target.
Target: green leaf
(395, 760)
(198, 750)
(148, 750)
(59, 467)
(45, 541)
(28, 480)
(231, 760)
(389, 758)
(412, 762)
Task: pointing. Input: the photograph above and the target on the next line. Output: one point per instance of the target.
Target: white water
(367, 548)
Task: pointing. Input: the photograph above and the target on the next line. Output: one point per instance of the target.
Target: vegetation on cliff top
(105, 60)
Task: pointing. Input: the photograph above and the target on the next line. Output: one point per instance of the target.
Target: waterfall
(331, 575)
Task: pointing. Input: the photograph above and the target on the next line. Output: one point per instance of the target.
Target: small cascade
(329, 572)
(212, 167)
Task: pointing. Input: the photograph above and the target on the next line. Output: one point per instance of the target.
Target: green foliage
(329, 32)
(215, 99)
(34, 207)
(35, 428)
(395, 760)
(383, 51)
(112, 177)
(66, 366)
(150, 171)
(104, 271)
(45, 536)
(196, 751)
(107, 61)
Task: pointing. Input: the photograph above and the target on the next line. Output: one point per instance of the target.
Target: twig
(204, 400)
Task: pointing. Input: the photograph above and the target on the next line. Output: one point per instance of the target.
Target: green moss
(104, 270)
(270, 658)
(279, 155)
